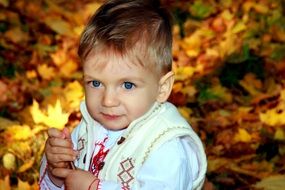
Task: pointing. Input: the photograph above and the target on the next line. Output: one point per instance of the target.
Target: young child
(130, 137)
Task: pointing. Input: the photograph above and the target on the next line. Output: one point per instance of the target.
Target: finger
(53, 132)
(60, 142)
(60, 165)
(61, 172)
(55, 158)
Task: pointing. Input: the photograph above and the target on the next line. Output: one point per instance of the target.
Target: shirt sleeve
(173, 166)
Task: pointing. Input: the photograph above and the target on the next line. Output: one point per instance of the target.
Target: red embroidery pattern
(97, 163)
(126, 175)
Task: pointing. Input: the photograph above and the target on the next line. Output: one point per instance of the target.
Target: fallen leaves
(229, 66)
(54, 116)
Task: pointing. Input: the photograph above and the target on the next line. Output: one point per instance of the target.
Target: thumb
(61, 172)
(66, 133)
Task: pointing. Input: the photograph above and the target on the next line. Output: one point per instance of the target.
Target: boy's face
(117, 90)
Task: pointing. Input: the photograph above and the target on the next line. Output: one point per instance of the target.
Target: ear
(165, 86)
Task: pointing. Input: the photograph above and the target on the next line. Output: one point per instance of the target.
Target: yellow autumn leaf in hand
(242, 136)
(54, 116)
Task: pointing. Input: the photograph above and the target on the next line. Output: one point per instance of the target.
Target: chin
(115, 128)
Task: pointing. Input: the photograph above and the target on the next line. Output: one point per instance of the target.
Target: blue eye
(128, 85)
(95, 83)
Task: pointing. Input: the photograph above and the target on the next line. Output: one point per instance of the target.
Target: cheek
(139, 108)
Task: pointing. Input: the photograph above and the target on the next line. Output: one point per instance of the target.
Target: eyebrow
(131, 78)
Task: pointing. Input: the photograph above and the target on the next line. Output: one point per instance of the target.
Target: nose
(110, 98)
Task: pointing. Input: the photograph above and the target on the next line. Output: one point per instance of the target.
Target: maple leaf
(275, 116)
(242, 136)
(53, 118)
(279, 134)
(46, 72)
(74, 94)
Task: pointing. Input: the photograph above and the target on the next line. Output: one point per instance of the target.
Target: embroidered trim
(157, 138)
(126, 174)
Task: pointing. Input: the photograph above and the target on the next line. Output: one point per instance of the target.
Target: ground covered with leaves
(229, 60)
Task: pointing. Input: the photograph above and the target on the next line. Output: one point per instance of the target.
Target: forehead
(100, 60)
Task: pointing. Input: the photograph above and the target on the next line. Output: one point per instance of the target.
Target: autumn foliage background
(229, 60)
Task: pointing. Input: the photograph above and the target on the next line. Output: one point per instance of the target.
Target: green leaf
(201, 10)
(278, 53)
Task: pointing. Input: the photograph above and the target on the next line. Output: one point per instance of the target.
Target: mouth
(110, 116)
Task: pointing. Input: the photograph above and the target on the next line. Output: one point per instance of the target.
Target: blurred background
(229, 60)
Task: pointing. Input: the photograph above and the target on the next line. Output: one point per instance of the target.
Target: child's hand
(59, 149)
(77, 179)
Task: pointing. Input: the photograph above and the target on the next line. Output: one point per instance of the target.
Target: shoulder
(174, 164)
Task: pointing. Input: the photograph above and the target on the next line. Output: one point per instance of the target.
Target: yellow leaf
(31, 74)
(239, 27)
(68, 68)
(9, 161)
(258, 7)
(222, 93)
(275, 116)
(182, 73)
(74, 94)
(242, 136)
(23, 185)
(59, 26)
(27, 165)
(185, 112)
(251, 84)
(216, 163)
(54, 117)
(20, 132)
(279, 134)
(227, 15)
(276, 182)
(46, 72)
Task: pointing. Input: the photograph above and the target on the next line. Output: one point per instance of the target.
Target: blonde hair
(138, 28)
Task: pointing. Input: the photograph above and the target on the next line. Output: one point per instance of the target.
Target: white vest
(143, 136)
